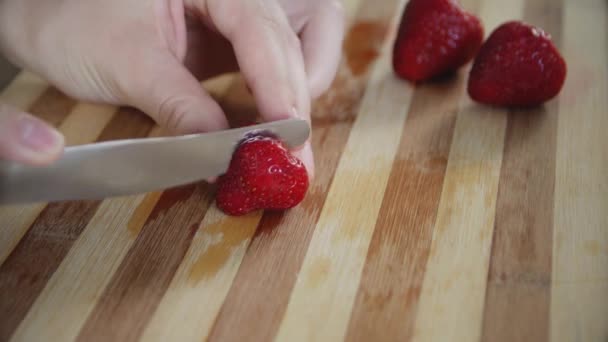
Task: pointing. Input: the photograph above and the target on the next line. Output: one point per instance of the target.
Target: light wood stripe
(84, 124)
(504, 240)
(30, 265)
(451, 301)
(277, 250)
(80, 279)
(182, 207)
(191, 303)
(88, 267)
(42, 249)
(210, 265)
(204, 276)
(387, 297)
(85, 269)
(335, 258)
(279, 245)
(452, 296)
(519, 281)
(579, 304)
(212, 261)
(21, 93)
(219, 86)
(135, 289)
(23, 90)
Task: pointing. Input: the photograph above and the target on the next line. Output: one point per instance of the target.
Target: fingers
(269, 56)
(167, 92)
(268, 53)
(26, 139)
(322, 45)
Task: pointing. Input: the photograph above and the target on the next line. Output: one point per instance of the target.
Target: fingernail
(37, 136)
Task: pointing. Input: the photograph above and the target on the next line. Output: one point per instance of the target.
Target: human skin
(152, 55)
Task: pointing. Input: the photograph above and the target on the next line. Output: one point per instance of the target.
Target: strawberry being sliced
(517, 66)
(435, 37)
(262, 174)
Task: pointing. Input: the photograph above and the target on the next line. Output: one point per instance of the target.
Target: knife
(135, 166)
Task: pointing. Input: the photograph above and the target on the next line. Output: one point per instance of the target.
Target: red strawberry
(262, 175)
(517, 66)
(435, 37)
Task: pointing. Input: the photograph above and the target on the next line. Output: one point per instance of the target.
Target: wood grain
(339, 244)
(453, 291)
(518, 295)
(45, 245)
(25, 272)
(80, 278)
(211, 264)
(52, 106)
(213, 257)
(131, 296)
(23, 90)
(579, 304)
(21, 93)
(88, 267)
(191, 303)
(69, 285)
(182, 207)
(431, 217)
(84, 124)
(280, 242)
(386, 301)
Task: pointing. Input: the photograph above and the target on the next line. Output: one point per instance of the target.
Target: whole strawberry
(435, 37)
(517, 66)
(262, 175)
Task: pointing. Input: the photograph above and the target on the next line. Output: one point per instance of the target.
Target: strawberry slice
(517, 66)
(262, 174)
(435, 37)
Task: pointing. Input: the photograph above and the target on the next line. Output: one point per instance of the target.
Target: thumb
(27, 139)
(171, 95)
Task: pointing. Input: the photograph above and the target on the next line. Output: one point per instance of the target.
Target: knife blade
(135, 166)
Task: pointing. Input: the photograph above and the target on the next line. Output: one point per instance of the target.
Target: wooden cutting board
(431, 218)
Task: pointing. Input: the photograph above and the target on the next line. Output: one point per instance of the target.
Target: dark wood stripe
(138, 285)
(517, 305)
(275, 255)
(387, 298)
(34, 260)
(7, 72)
(127, 123)
(53, 106)
(28, 268)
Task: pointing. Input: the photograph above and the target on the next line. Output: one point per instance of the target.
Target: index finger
(270, 58)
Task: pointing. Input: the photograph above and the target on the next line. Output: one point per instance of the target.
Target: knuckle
(172, 113)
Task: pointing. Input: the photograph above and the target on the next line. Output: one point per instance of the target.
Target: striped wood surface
(431, 218)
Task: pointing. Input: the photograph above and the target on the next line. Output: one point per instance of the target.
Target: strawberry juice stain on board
(362, 45)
